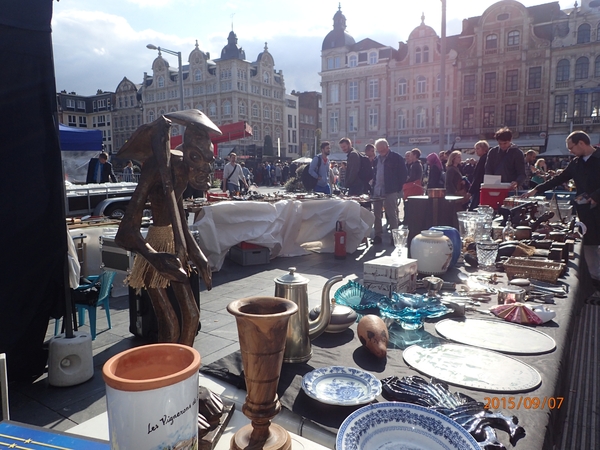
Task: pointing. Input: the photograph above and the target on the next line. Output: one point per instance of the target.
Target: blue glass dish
(357, 297)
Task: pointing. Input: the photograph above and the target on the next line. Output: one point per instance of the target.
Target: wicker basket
(548, 271)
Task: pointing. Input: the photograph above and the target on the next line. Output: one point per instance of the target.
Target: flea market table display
(500, 368)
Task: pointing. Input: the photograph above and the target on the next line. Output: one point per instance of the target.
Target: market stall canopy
(303, 160)
(79, 140)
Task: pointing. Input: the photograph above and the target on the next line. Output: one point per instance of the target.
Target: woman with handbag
(435, 178)
(413, 185)
(455, 182)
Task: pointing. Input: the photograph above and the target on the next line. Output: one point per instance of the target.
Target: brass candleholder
(262, 324)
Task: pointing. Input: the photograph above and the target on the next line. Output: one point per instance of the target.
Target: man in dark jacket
(100, 170)
(481, 150)
(352, 180)
(584, 170)
(389, 177)
(506, 160)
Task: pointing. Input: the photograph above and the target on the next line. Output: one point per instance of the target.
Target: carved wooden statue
(162, 258)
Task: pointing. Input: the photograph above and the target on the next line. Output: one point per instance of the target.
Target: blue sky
(97, 43)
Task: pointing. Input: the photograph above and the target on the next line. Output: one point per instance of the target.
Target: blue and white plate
(341, 386)
(397, 426)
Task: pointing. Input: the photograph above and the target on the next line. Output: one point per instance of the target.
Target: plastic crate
(493, 195)
(249, 257)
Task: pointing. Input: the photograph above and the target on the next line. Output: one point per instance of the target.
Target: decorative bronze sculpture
(162, 258)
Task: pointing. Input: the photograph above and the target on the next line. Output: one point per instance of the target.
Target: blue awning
(77, 139)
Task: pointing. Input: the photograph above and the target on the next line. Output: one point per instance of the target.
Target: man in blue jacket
(320, 169)
(389, 177)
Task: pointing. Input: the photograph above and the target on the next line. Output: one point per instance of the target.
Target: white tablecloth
(287, 227)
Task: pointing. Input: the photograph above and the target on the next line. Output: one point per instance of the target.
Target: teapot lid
(291, 278)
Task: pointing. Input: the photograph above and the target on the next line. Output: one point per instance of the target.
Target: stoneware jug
(433, 252)
(301, 330)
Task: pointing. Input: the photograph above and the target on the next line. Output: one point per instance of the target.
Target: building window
(535, 78)
(150, 116)
(582, 68)
(70, 103)
(402, 86)
(583, 33)
(420, 117)
(513, 38)
(438, 83)
(489, 82)
(255, 110)
(334, 93)
(533, 113)
(72, 121)
(278, 114)
(81, 104)
(353, 90)
(510, 115)
(401, 119)
(561, 103)
(468, 120)
(161, 82)
(290, 121)
(241, 108)
(580, 108)
(334, 122)
(212, 110)
(489, 116)
(437, 116)
(199, 107)
(83, 121)
(425, 54)
(197, 75)
(469, 85)
(491, 41)
(329, 63)
(421, 84)
(227, 108)
(266, 112)
(563, 70)
(597, 67)
(266, 78)
(418, 55)
(353, 120)
(373, 119)
(352, 61)
(372, 57)
(373, 88)
(256, 132)
(595, 112)
(512, 80)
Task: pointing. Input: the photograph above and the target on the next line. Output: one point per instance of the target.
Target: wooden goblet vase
(262, 324)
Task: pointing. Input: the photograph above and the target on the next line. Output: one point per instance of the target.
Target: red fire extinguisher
(340, 241)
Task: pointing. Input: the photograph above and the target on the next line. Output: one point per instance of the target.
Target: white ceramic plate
(399, 426)
(342, 386)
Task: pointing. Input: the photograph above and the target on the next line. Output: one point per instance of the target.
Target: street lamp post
(443, 78)
(180, 76)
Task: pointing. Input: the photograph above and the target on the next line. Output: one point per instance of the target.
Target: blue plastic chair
(106, 281)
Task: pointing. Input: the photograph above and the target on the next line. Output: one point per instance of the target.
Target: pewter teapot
(301, 330)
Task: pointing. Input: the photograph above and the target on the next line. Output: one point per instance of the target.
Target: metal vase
(262, 324)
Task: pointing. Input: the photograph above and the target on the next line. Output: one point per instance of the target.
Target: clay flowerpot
(262, 324)
(433, 252)
(152, 397)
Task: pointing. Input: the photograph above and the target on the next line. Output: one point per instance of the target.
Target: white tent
(303, 160)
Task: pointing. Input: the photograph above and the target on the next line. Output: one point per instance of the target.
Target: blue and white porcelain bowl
(396, 425)
(341, 386)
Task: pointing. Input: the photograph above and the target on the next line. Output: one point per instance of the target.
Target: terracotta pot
(262, 324)
(152, 397)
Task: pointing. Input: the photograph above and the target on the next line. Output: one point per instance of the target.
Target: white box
(386, 275)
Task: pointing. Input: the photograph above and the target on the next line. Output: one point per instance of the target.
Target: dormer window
(266, 78)
(513, 38)
(161, 82)
(425, 54)
(372, 57)
(352, 61)
(418, 55)
(198, 75)
(583, 33)
(491, 41)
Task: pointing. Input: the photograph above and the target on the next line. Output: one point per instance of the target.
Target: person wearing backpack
(356, 186)
(319, 169)
(389, 177)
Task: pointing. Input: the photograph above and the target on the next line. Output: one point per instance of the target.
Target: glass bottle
(508, 233)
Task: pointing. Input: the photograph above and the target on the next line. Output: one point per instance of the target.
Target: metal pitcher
(301, 330)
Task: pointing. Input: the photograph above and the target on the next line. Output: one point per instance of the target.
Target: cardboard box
(385, 275)
(249, 257)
